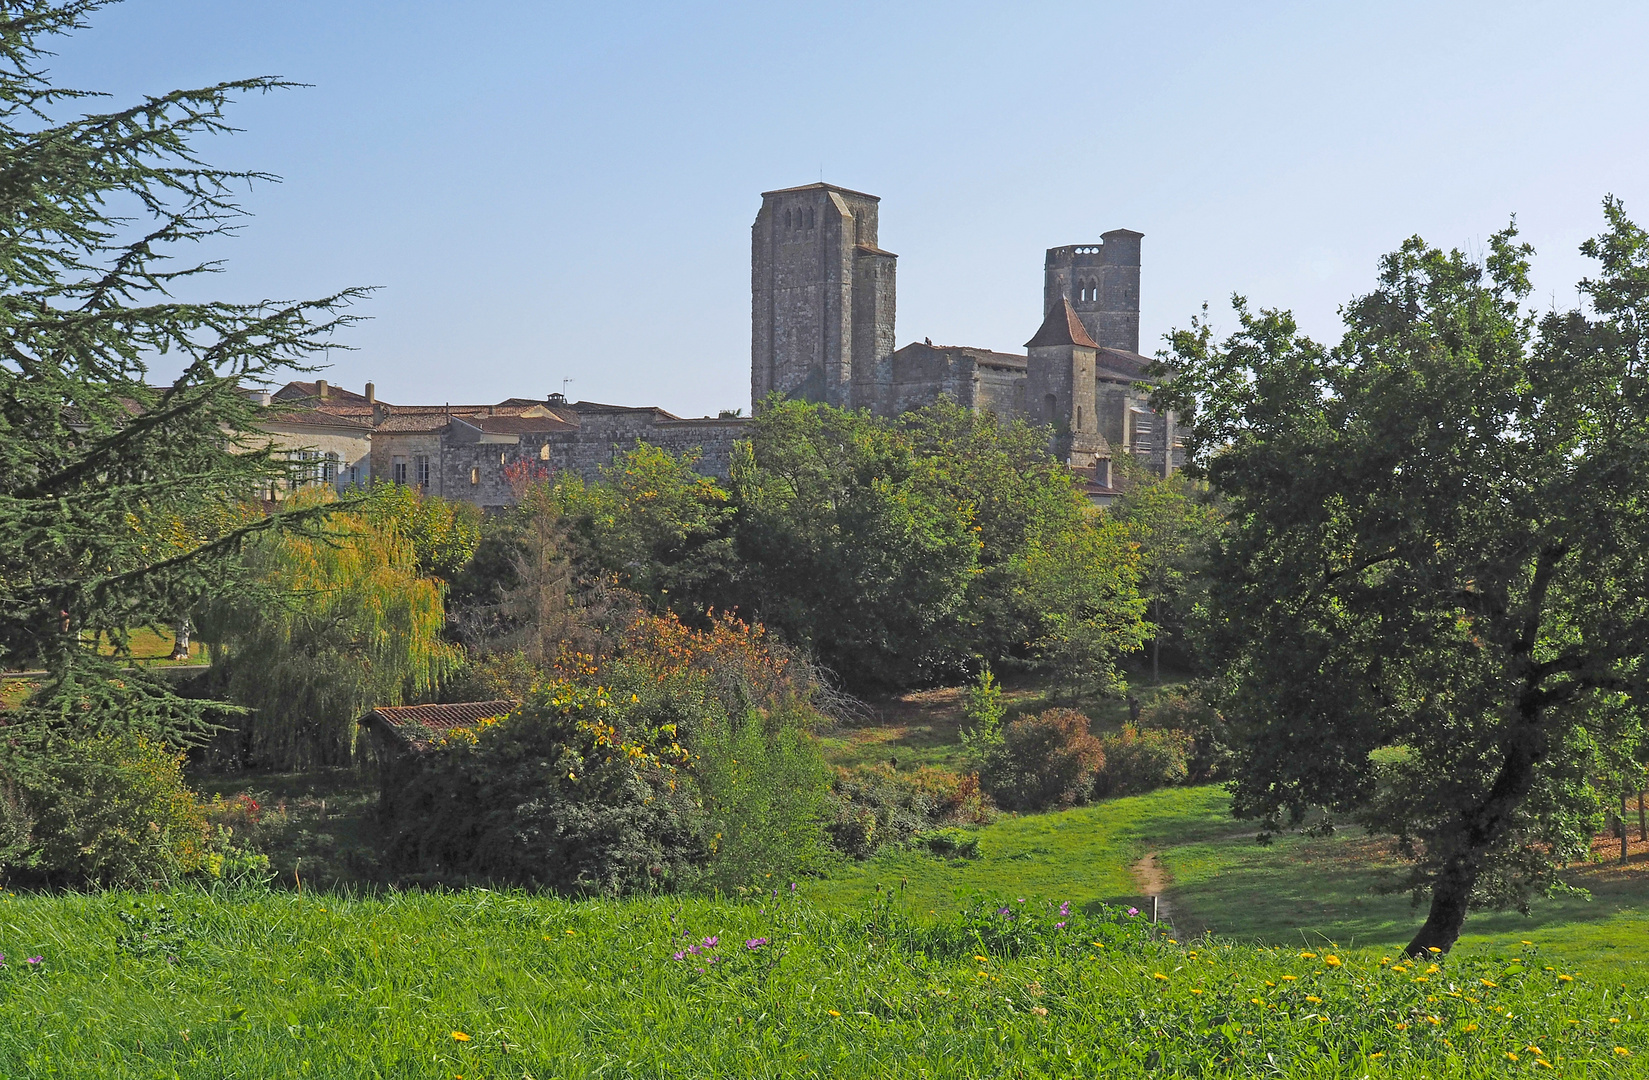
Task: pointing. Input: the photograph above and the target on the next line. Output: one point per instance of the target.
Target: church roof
(822, 187)
(1062, 327)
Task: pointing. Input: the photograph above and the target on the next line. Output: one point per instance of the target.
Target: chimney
(371, 394)
(320, 389)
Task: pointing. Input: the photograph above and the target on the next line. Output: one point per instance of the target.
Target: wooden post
(1153, 909)
(1643, 822)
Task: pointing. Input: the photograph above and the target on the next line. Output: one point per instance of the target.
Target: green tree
(1437, 549)
(1174, 527)
(340, 622)
(97, 466)
(444, 533)
(849, 548)
(1019, 498)
(654, 526)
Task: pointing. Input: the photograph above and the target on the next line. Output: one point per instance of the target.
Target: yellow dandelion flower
(1332, 961)
(1095, 944)
(1159, 975)
(983, 959)
(1421, 978)
(1511, 1056)
(1402, 1027)
(1469, 1027)
(833, 1012)
(1196, 991)
(1614, 1019)
(1486, 982)
(1271, 984)
(1308, 956)
(1528, 943)
(1434, 969)
(1433, 1020)
(460, 1036)
(1565, 978)
(1255, 1001)
(1377, 1054)
(1535, 1050)
(1314, 1000)
(1433, 949)
(1290, 978)
(1548, 968)
(1622, 1051)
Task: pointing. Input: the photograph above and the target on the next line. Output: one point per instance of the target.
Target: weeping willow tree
(115, 493)
(340, 622)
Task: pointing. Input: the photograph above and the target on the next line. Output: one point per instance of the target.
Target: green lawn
(473, 984)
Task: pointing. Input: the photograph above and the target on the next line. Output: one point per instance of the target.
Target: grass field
(480, 984)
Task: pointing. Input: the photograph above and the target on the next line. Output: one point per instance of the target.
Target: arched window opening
(1050, 408)
(1079, 418)
(544, 452)
(787, 219)
(810, 219)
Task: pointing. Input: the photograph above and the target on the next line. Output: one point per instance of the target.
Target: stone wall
(476, 467)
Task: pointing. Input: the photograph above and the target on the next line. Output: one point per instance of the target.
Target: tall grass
(485, 984)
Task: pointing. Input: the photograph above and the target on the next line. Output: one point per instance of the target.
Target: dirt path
(1153, 880)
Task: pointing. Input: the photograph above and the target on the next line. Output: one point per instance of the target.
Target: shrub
(112, 812)
(1046, 760)
(558, 794)
(1188, 712)
(1143, 759)
(686, 757)
(876, 805)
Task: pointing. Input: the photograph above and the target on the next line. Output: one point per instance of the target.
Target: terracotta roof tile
(415, 725)
(1062, 327)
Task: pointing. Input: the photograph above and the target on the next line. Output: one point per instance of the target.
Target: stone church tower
(1102, 283)
(1060, 381)
(822, 299)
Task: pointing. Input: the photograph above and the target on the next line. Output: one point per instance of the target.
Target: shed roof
(416, 725)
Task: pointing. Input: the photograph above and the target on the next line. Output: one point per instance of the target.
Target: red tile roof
(415, 725)
(1062, 327)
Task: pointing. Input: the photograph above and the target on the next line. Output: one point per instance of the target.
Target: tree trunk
(180, 648)
(1156, 643)
(1450, 897)
(1624, 841)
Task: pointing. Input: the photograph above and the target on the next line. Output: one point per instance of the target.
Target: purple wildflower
(1059, 926)
(1021, 899)
(680, 956)
(710, 942)
(1133, 911)
(755, 943)
(36, 961)
(694, 950)
(1004, 911)
(792, 886)
(1065, 908)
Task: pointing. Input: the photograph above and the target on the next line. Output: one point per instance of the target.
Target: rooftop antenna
(564, 383)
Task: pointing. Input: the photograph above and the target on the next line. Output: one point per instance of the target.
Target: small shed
(397, 729)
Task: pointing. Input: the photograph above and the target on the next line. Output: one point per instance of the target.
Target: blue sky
(551, 191)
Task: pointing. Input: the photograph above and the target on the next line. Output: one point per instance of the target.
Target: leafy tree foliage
(1053, 582)
(97, 466)
(1437, 550)
(339, 623)
(849, 547)
(1174, 526)
(443, 533)
(654, 526)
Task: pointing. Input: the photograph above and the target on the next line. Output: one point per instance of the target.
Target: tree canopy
(118, 497)
(1429, 610)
